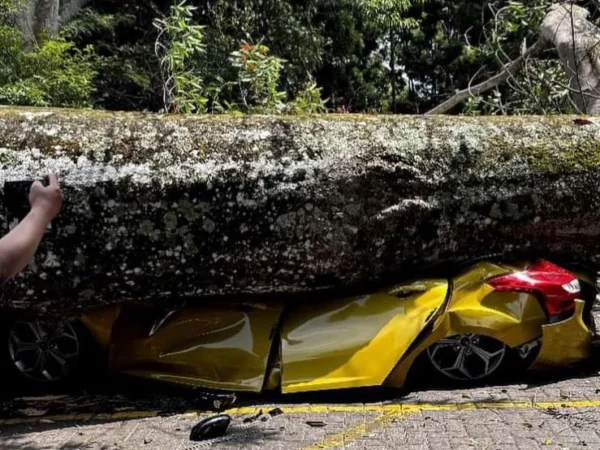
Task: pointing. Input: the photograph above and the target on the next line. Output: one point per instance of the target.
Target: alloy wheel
(467, 356)
(42, 353)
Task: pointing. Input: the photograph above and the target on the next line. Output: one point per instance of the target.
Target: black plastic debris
(253, 418)
(316, 424)
(275, 412)
(210, 428)
(216, 401)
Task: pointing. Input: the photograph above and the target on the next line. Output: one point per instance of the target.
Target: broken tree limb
(510, 70)
(577, 40)
(169, 207)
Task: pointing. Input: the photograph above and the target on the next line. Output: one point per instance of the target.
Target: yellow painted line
(414, 407)
(385, 409)
(312, 409)
(390, 413)
(340, 439)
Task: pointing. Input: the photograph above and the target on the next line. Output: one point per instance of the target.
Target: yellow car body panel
(512, 318)
(565, 343)
(354, 343)
(99, 322)
(216, 347)
(364, 341)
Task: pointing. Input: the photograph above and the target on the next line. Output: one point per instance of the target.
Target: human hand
(46, 200)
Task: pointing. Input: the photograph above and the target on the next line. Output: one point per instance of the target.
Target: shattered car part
(210, 428)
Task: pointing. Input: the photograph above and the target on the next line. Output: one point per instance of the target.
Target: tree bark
(577, 41)
(25, 20)
(46, 18)
(393, 70)
(166, 207)
(43, 18)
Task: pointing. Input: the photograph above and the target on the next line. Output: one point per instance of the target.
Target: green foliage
(256, 88)
(353, 53)
(326, 41)
(541, 90)
(179, 42)
(308, 101)
(90, 23)
(389, 14)
(124, 38)
(258, 77)
(290, 28)
(54, 74)
(7, 8)
(517, 21)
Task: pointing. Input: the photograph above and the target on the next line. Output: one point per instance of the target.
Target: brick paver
(426, 424)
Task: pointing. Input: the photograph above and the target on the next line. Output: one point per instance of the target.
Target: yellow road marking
(339, 439)
(392, 410)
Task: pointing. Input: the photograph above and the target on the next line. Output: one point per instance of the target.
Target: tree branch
(510, 70)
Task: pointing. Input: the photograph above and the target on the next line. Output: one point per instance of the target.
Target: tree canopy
(277, 56)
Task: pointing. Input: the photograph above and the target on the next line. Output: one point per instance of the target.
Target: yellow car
(465, 327)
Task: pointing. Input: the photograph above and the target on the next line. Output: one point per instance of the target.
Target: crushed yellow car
(465, 327)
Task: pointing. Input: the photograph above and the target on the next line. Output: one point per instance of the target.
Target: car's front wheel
(43, 353)
(467, 357)
(46, 354)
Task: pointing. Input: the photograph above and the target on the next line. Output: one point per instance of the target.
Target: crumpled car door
(217, 347)
(355, 342)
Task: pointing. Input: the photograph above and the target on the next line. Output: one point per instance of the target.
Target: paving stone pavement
(559, 413)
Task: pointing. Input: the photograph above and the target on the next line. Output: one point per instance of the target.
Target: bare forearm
(18, 247)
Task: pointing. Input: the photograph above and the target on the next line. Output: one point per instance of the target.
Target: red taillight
(556, 287)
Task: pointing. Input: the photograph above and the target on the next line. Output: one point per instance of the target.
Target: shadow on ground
(237, 436)
(131, 396)
(122, 395)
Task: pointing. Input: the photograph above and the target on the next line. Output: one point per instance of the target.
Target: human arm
(18, 247)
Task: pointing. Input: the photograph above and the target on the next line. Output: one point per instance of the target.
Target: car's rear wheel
(467, 357)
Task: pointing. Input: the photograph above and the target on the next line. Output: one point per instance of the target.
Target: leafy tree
(361, 55)
(180, 41)
(390, 16)
(541, 86)
(287, 27)
(123, 37)
(53, 74)
(353, 75)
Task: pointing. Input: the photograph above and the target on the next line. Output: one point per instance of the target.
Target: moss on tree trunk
(176, 207)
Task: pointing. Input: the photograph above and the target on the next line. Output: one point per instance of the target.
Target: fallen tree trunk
(177, 207)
